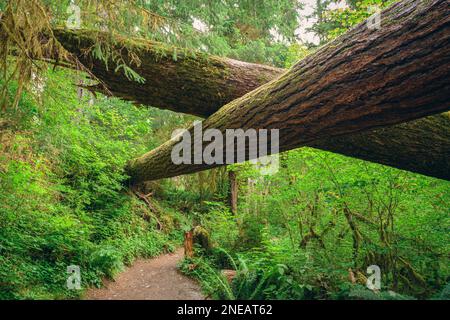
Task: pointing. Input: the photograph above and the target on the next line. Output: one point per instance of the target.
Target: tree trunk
(363, 80)
(233, 191)
(198, 84)
(177, 79)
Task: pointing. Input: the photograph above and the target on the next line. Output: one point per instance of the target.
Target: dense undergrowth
(311, 231)
(62, 200)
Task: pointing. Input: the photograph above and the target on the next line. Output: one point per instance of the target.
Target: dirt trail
(150, 279)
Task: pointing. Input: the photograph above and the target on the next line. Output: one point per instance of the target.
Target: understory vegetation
(310, 231)
(62, 196)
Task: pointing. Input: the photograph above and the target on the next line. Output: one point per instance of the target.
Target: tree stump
(189, 244)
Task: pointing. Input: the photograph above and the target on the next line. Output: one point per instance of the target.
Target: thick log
(366, 79)
(200, 85)
(175, 79)
(421, 146)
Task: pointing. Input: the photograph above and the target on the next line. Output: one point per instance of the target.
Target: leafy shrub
(108, 260)
(62, 200)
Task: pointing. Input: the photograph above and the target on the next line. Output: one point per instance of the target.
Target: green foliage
(236, 28)
(362, 293)
(296, 52)
(302, 232)
(108, 260)
(298, 232)
(445, 293)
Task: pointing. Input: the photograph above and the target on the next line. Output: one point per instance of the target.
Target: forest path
(150, 279)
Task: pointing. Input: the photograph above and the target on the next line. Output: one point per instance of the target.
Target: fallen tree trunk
(175, 79)
(362, 80)
(200, 85)
(421, 146)
(233, 191)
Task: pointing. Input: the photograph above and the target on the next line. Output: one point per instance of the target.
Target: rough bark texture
(188, 82)
(233, 191)
(363, 80)
(200, 85)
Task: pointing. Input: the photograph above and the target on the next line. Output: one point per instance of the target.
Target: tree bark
(198, 84)
(188, 244)
(363, 80)
(177, 79)
(233, 191)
